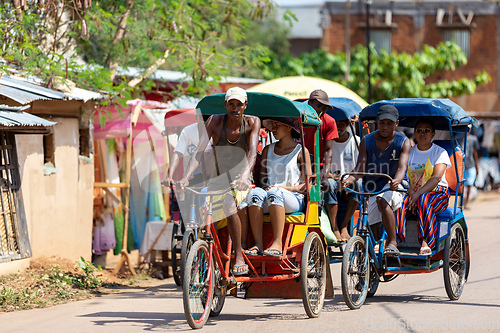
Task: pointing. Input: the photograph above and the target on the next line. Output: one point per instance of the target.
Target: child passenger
(283, 187)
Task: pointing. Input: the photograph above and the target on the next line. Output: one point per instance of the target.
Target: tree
(87, 43)
(393, 74)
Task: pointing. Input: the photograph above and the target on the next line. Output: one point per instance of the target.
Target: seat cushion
(447, 214)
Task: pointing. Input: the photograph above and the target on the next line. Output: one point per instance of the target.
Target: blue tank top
(381, 161)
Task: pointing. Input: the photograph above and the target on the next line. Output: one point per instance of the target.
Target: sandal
(253, 251)
(391, 250)
(238, 270)
(273, 252)
(425, 251)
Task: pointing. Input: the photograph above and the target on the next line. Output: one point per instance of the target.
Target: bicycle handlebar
(365, 174)
(197, 191)
(370, 174)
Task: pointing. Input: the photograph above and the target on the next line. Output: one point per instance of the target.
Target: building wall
(58, 206)
(410, 36)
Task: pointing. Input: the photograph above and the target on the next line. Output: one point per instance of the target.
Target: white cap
(236, 93)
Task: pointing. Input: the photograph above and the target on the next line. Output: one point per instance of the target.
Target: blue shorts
(470, 176)
(334, 195)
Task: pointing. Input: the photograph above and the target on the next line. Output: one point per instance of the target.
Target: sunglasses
(423, 130)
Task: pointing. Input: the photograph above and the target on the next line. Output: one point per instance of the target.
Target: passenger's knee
(275, 196)
(229, 205)
(382, 204)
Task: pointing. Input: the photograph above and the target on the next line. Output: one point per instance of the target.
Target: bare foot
(344, 234)
(337, 235)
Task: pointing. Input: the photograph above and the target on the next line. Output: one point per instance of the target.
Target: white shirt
(187, 143)
(418, 160)
(345, 154)
(283, 170)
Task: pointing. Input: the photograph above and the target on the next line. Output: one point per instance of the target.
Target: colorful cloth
(429, 205)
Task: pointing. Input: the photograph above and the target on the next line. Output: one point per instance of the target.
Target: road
(411, 303)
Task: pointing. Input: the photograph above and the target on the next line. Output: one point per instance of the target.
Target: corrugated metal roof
(11, 117)
(24, 92)
(173, 76)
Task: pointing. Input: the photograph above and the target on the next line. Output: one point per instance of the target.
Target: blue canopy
(443, 112)
(263, 105)
(343, 108)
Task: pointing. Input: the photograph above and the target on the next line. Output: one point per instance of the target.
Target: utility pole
(368, 71)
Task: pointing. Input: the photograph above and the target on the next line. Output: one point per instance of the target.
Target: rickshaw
(362, 267)
(302, 269)
(183, 233)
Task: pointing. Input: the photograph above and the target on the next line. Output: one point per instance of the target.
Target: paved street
(412, 303)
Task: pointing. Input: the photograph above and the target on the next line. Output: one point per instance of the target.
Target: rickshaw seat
(450, 174)
(447, 214)
(297, 217)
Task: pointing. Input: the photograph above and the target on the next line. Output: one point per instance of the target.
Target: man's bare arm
(404, 156)
(204, 140)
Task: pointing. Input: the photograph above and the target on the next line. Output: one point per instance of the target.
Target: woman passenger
(283, 189)
(428, 193)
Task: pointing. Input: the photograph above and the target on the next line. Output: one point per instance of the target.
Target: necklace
(232, 142)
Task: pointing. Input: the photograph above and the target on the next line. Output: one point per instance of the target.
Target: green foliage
(86, 46)
(393, 74)
(50, 286)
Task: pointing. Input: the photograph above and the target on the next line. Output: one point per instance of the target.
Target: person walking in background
(471, 165)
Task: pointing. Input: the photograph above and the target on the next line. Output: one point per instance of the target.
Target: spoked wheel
(455, 263)
(219, 293)
(187, 243)
(355, 273)
(198, 285)
(313, 275)
(176, 260)
(374, 282)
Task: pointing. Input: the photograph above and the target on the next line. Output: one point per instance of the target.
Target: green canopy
(263, 105)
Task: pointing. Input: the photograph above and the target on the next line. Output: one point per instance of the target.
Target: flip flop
(273, 252)
(238, 272)
(425, 250)
(391, 250)
(253, 251)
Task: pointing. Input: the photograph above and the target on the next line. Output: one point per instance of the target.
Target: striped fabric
(429, 205)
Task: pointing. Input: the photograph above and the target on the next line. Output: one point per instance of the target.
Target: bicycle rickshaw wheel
(455, 263)
(198, 285)
(355, 273)
(176, 263)
(187, 243)
(219, 295)
(313, 274)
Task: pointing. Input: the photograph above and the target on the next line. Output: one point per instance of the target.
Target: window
(461, 37)
(14, 242)
(85, 145)
(49, 149)
(381, 39)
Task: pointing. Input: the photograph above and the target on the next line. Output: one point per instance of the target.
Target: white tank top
(283, 170)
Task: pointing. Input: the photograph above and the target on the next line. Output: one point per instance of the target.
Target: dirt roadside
(51, 281)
